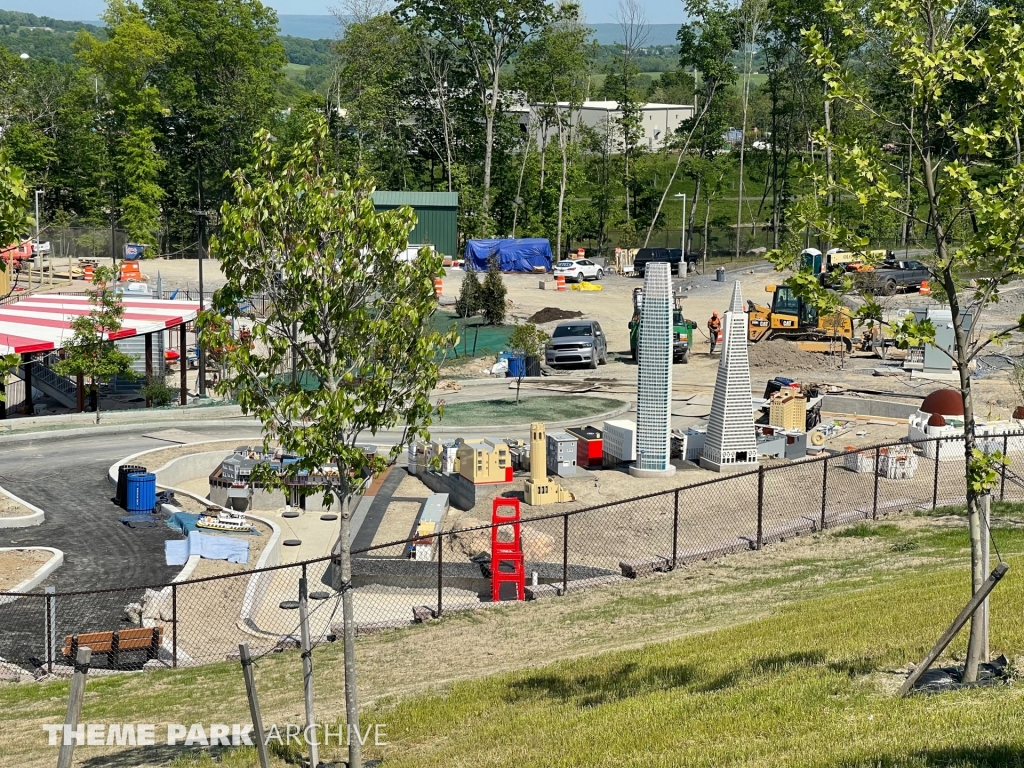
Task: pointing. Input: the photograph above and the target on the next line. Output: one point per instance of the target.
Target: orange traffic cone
(925, 289)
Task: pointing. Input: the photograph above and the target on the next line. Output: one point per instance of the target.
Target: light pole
(39, 253)
(682, 233)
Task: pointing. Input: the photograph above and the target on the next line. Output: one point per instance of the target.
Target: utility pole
(201, 218)
(38, 253)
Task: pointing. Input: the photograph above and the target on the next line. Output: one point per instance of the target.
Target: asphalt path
(66, 477)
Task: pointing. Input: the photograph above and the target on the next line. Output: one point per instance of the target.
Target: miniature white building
(619, 442)
(654, 376)
(942, 415)
(731, 442)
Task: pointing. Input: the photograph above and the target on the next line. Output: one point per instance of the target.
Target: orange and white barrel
(438, 286)
(88, 272)
(560, 282)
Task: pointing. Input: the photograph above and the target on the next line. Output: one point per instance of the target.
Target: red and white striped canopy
(43, 322)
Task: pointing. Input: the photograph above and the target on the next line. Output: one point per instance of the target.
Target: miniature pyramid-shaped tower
(654, 376)
(731, 442)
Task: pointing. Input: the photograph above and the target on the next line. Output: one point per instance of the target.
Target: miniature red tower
(506, 556)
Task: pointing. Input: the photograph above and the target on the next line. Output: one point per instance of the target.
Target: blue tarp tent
(520, 255)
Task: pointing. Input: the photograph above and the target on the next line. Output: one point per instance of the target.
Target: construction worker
(714, 326)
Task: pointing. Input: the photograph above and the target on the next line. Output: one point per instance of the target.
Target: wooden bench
(112, 644)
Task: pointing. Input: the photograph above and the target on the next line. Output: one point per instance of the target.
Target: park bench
(112, 644)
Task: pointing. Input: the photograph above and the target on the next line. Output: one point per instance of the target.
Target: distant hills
(319, 27)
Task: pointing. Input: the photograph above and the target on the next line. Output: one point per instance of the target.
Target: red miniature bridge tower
(507, 565)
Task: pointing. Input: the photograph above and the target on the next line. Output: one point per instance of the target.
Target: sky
(597, 11)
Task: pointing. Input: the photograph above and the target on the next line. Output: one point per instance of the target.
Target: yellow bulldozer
(790, 317)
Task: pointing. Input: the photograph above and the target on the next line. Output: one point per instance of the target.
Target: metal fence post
(174, 624)
(824, 490)
(565, 553)
(675, 531)
(935, 478)
(874, 504)
(1002, 481)
(51, 629)
(440, 572)
(760, 506)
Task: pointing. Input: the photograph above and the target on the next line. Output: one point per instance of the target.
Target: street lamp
(682, 234)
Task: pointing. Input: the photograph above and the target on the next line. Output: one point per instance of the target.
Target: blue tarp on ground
(209, 547)
(521, 255)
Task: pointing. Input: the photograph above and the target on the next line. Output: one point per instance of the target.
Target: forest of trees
(137, 122)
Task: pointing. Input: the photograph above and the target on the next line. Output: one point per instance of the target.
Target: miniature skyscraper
(539, 487)
(654, 376)
(731, 442)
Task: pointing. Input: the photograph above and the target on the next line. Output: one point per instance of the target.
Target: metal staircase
(49, 382)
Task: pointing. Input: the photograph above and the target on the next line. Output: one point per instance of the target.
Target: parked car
(578, 270)
(671, 256)
(577, 341)
(892, 275)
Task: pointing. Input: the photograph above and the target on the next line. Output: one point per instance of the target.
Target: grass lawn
(776, 658)
(529, 409)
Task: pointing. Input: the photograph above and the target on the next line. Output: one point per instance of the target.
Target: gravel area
(18, 565)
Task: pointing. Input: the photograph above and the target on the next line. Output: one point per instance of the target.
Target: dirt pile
(784, 357)
(551, 314)
(536, 545)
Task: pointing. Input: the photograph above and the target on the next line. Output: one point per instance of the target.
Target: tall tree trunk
(543, 169)
(828, 162)
(693, 212)
(519, 187)
(563, 142)
(490, 114)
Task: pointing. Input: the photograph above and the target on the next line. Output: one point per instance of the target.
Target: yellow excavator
(790, 317)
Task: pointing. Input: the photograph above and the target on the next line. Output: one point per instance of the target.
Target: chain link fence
(201, 621)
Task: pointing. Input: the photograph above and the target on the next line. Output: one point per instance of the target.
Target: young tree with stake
(356, 317)
(91, 351)
(946, 83)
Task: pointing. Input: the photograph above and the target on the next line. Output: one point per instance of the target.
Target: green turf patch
(529, 409)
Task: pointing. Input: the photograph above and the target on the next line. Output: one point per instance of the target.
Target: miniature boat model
(225, 521)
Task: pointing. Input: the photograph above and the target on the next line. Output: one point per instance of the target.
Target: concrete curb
(56, 561)
(112, 471)
(108, 429)
(133, 415)
(22, 521)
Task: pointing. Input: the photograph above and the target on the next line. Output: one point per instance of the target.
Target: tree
(374, 62)
(526, 341)
(470, 294)
(126, 61)
(492, 294)
(943, 84)
(91, 351)
(488, 33)
(752, 17)
(357, 318)
(14, 220)
(635, 30)
(554, 69)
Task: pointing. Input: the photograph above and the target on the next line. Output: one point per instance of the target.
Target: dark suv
(671, 256)
(577, 341)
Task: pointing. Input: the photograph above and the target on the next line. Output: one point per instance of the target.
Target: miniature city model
(654, 376)
(731, 442)
(539, 487)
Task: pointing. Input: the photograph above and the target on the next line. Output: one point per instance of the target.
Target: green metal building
(437, 217)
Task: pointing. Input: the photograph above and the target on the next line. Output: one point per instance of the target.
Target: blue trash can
(516, 366)
(141, 497)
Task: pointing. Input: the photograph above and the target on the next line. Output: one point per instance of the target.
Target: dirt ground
(19, 564)
(11, 508)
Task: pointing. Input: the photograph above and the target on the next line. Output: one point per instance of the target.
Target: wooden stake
(958, 623)
(986, 514)
(67, 745)
(254, 705)
(307, 673)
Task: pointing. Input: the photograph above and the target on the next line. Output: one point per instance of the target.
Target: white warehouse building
(659, 121)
